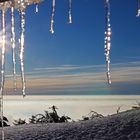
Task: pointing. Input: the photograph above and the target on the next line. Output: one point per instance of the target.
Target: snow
(122, 126)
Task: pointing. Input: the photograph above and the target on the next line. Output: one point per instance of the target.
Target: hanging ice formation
(36, 8)
(21, 55)
(13, 46)
(20, 5)
(70, 11)
(138, 10)
(2, 67)
(52, 17)
(107, 45)
(36, 2)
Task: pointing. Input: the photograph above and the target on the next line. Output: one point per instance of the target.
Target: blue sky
(71, 61)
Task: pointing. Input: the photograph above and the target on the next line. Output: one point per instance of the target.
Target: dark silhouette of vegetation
(64, 118)
(118, 109)
(49, 117)
(32, 119)
(92, 115)
(19, 122)
(5, 122)
(53, 117)
(136, 106)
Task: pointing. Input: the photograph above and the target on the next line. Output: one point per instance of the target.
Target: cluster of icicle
(53, 14)
(19, 5)
(107, 45)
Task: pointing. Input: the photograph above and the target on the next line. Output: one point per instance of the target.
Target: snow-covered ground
(122, 126)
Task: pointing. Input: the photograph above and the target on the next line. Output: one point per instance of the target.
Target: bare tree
(118, 109)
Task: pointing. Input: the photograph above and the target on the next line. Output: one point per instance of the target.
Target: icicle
(107, 39)
(70, 12)
(52, 17)
(13, 46)
(22, 26)
(2, 69)
(36, 8)
(138, 12)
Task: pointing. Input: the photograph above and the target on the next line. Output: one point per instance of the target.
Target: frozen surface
(123, 126)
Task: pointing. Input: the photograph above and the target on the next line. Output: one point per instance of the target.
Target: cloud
(74, 77)
(66, 68)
